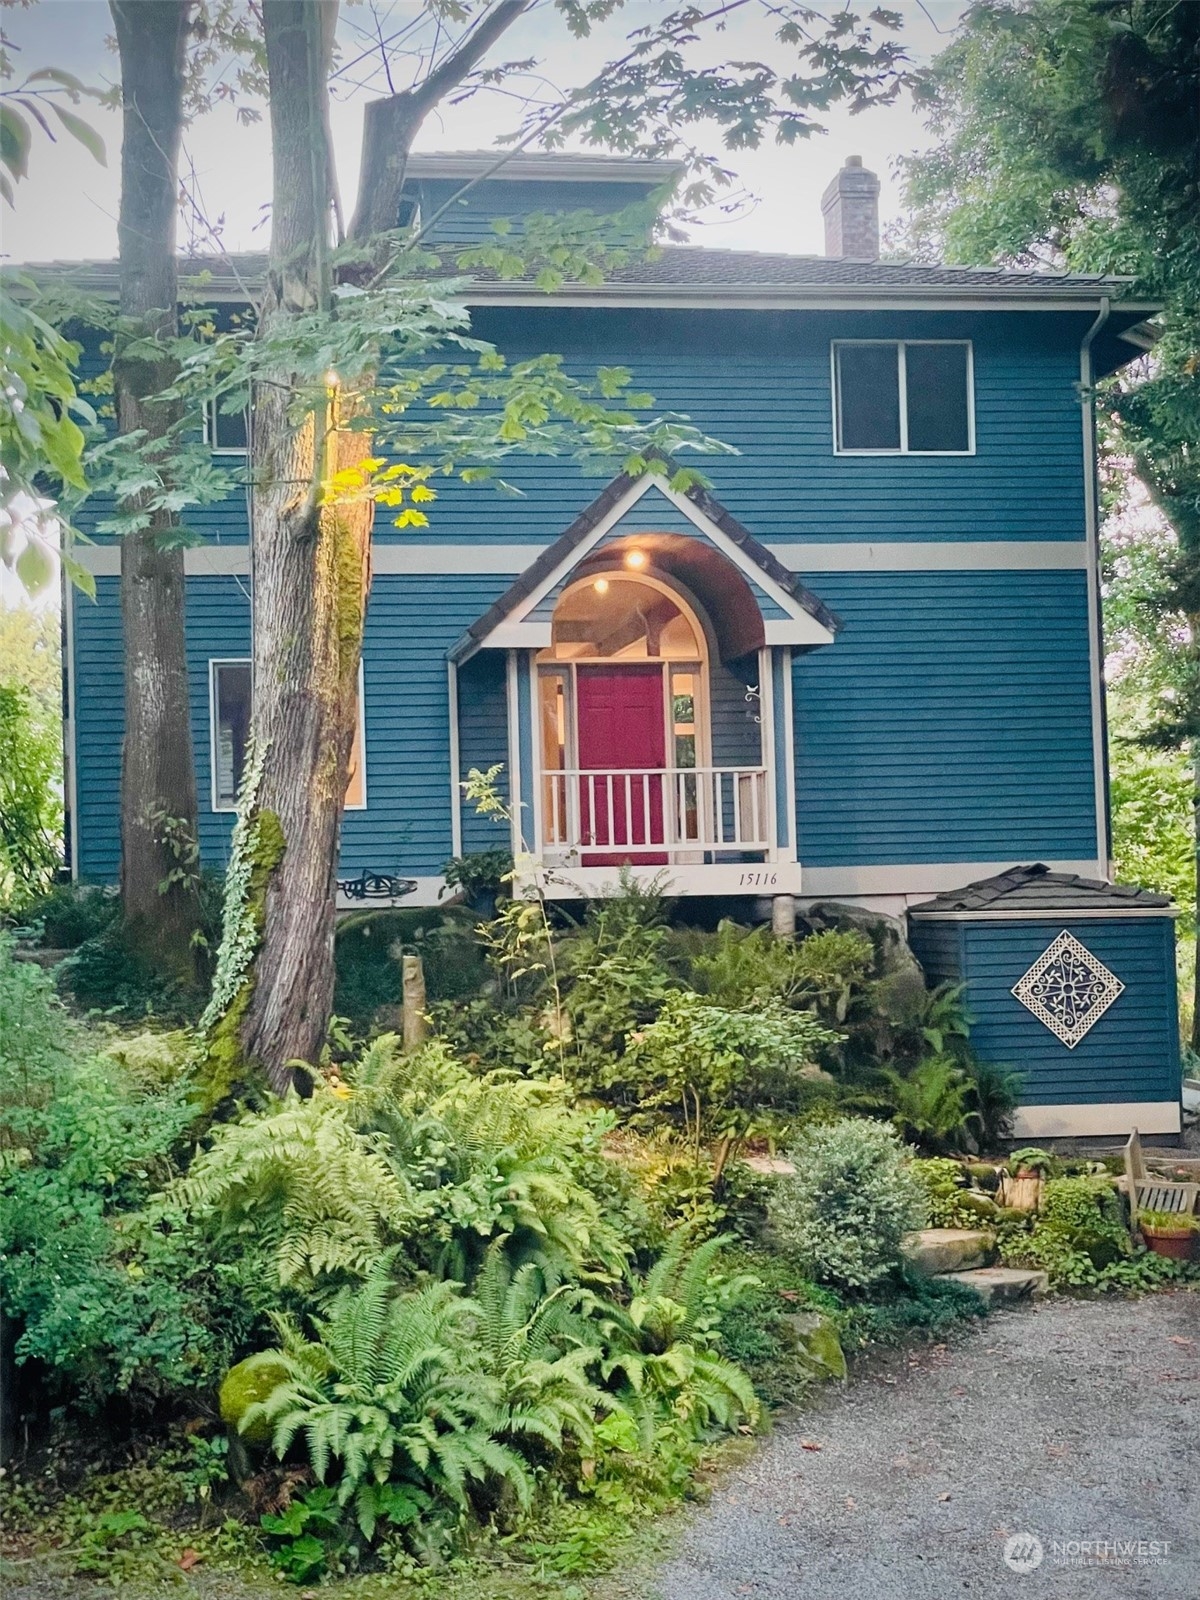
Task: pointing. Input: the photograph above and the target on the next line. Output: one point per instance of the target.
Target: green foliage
(305, 1536)
(367, 953)
(387, 1391)
(931, 1104)
(484, 872)
(851, 1201)
(1170, 1221)
(30, 806)
(1078, 1236)
(918, 1308)
(414, 1151)
(716, 1070)
(70, 913)
(102, 1300)
(945, 1183)
(744, 967)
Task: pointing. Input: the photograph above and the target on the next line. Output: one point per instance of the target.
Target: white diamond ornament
(1068, 989)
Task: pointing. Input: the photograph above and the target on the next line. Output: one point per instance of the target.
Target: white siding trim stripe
(506, 560)
(1089, 1121)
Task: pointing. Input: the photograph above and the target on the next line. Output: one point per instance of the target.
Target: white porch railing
(640, 812)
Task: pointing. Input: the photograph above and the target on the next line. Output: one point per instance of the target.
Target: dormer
(525, 184)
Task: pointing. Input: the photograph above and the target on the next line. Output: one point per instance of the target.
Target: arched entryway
(624, 695)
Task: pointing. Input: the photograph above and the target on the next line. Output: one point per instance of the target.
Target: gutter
(1091, 497)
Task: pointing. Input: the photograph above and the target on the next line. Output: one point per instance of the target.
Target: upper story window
(903, 397)
(224, 431)
(229, 688)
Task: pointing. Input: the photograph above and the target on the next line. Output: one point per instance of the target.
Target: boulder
(934, 1251)
(818, 1344)
(243, 1386)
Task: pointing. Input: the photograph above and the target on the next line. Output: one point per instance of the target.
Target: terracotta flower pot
(1174, 1243)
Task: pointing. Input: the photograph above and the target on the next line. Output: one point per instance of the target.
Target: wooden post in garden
(783, 916)
(412, 993)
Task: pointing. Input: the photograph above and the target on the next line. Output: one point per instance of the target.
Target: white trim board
(1060, 915)
(748, 878)
(918, 878)
(390, 559)
(1091, 1120)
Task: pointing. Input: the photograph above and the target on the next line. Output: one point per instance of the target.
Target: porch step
(1000, 1285)
(935, 1251)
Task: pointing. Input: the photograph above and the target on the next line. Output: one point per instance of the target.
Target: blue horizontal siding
(938, 947)
(483, 741)
(760, 382)
(949, 721)
(411, 623)
(1130, 1054)
(469, 220)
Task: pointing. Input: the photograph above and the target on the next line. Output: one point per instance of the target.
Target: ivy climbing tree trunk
(158, 780)
(311, 559)
(310, 568)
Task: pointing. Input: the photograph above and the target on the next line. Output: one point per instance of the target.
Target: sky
(66, 209)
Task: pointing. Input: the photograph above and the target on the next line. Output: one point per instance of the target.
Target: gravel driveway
(1071, 1421)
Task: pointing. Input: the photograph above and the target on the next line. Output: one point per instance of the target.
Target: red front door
(622, 725)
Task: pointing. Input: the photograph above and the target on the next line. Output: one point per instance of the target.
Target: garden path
(1072, 1421)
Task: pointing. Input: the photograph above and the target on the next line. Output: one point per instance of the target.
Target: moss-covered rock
(818, 1344)
(245, 1385)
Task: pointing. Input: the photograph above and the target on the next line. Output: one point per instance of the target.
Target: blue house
(864, 666)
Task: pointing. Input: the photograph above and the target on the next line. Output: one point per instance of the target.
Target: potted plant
(1169, 1233)
(479, 877)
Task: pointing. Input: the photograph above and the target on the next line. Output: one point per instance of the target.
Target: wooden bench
(1149, 1193)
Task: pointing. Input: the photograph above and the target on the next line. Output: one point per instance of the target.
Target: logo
(1023, 1552)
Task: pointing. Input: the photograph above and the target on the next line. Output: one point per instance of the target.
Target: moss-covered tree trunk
(158, 780)
(310, 561)
(310, 570)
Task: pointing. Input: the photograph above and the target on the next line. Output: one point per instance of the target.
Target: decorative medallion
(1067, 989)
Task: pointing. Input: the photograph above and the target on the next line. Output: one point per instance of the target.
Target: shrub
(718, 1073)
(740, 966)
(367, 955)
(419, 1152)
(931, 1105)
(103, 1301)
(30, 807)
(949, 1203)
(851, 1201)
(69, 913)
(1078, 1233)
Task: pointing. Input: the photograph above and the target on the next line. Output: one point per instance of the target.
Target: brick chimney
(850, 207)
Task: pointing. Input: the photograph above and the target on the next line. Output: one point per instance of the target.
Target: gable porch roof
(521, 617)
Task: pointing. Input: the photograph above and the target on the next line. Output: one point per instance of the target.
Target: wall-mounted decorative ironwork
(375, 886)
(1068, 989)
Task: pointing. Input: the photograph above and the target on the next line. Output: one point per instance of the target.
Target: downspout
(1091, 503)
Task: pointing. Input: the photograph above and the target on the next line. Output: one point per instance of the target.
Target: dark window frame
(901, 347)
(212, 416)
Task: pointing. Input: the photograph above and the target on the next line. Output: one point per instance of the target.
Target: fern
(542, 1348)
(389, 1391)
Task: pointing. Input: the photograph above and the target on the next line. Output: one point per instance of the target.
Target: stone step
(1000, 1285)
(938, 1250)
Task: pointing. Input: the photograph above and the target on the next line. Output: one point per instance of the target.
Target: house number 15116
(758, 880)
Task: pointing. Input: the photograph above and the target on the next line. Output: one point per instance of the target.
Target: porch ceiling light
(636, 558)
(601, 586)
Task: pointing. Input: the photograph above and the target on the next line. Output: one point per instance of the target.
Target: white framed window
(229, 704)
(225, 432)
(910, 397)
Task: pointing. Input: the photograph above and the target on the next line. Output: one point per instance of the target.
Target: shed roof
(1035, 889)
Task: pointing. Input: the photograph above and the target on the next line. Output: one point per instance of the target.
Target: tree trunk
(158, 780)
(310, 569)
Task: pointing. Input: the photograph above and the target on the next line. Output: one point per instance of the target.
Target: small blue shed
(1071, 983)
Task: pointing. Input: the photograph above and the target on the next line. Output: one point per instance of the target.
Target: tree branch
(390, 125)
